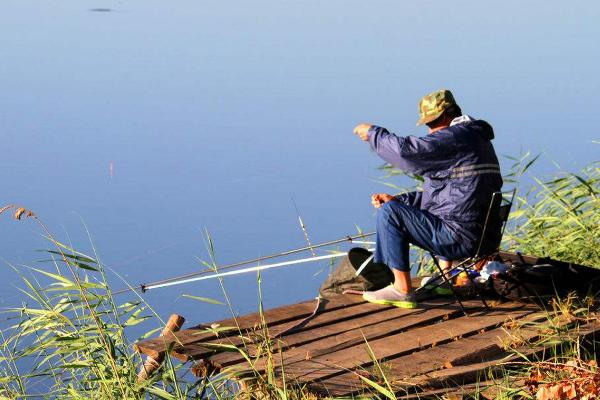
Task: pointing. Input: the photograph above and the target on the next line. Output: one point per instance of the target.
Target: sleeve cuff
(372, 130)
(372, 134)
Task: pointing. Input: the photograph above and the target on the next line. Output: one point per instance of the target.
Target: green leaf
(204, 299)
(530, 163)
(150, 333)
(161, 393)
(83, 266)
(132, 321)
(380, 389)
(78, 257)
(54, 276)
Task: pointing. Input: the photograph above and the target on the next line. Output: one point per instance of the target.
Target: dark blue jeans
(399, 225)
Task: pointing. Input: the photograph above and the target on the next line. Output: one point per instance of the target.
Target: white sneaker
(390, 296)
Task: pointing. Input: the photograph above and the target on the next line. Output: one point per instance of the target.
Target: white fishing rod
(215, 272)
(250, 269)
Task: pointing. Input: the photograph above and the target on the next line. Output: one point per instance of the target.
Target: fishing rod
(217, 270)
(250, 269)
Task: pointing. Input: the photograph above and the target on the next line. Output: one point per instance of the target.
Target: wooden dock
(335, 352)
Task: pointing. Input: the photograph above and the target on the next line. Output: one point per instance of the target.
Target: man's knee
(392, 212)
(383, 213)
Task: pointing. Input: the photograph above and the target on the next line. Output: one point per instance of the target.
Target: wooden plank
(320, 327)
(459, 376)
(373, 314)
(468, 350)
(466, 373)
(355, 339)
(283, 314)
(330, 363)
(381, 325)
(488, 389)
(496, 366)
(322, 321)
(354, 311)
(278, 315)
(472, 349)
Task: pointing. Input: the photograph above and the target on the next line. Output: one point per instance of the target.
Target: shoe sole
(399, 304)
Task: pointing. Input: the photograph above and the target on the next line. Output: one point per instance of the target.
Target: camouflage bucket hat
(433, 105)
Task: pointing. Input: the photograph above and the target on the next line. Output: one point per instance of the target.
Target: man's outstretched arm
(408, 153)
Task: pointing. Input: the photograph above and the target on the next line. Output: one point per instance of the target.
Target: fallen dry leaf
(569, 391)
(555, 392)
(543, 393)
(575, 381)
(536, 377)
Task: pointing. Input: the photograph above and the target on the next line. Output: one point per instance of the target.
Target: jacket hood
(482, 128)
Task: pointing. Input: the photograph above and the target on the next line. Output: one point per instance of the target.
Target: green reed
(559, 218)
(70, 339)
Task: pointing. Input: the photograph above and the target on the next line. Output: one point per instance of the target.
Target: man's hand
(362, 131)
(378, 199)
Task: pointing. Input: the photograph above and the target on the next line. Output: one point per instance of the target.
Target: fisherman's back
(459, 166)
(460, 192)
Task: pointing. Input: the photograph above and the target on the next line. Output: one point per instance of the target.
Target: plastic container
(492, 268)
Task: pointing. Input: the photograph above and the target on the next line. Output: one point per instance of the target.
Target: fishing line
(303, 227)
(143, 287)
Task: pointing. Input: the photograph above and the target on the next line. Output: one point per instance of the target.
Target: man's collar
(461, 120)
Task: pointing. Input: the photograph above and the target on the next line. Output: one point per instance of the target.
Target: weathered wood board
(335, 351)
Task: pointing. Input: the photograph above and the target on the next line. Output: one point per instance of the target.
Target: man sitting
(461, 171)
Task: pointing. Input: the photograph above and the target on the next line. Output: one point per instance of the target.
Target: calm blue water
(214, 115)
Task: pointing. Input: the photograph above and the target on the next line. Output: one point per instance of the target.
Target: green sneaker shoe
(390, 296)
(444, 290)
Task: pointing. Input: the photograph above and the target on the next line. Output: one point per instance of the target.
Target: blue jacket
(460, 169)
